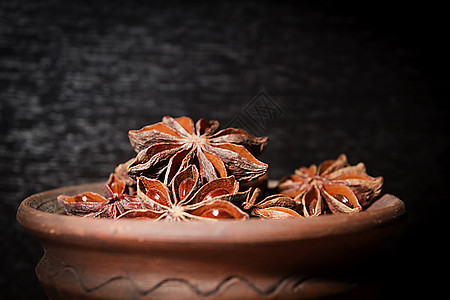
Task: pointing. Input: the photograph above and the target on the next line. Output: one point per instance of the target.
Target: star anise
(89, 204)
(121, 171)
(343, 188)
(186, 199)
(276, 206)
(166, 147)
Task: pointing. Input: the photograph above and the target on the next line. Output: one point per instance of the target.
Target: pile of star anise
(187, 171)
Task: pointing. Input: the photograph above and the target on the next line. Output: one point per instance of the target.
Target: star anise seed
(272, 207)
(334, 184)
(166, 147)
(186, 199)
(89, 204)
(121, 171)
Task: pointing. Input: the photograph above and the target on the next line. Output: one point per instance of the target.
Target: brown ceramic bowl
(136, 259)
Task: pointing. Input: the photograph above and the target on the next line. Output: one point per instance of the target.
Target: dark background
(367, 79)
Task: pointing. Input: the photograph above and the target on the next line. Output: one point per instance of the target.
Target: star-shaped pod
(276, 206)
(89, 204)
(334, 184)
(166, 147)
(186, 199)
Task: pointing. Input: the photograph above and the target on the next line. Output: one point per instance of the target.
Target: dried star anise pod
(343, 188)
(276, 206)
(186, 199)
(166, 147)
(89, 204)
(121, 171)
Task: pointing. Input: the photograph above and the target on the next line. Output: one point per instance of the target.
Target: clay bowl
(136, 259)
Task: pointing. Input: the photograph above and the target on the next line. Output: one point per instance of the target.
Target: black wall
(367, 79)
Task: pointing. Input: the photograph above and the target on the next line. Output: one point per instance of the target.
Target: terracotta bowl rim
(386, 211)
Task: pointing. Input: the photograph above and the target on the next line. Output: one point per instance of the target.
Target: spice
(187, 199)
(276, 206)
(169, 146)
(115, 202)
(187, 171)
(334, 186)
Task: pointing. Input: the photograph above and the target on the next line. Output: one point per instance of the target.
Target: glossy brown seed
(185, 188)
(218, 213)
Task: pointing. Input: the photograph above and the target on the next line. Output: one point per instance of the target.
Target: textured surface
(364, 79)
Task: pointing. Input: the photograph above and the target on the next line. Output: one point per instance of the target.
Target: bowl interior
(40, 214)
